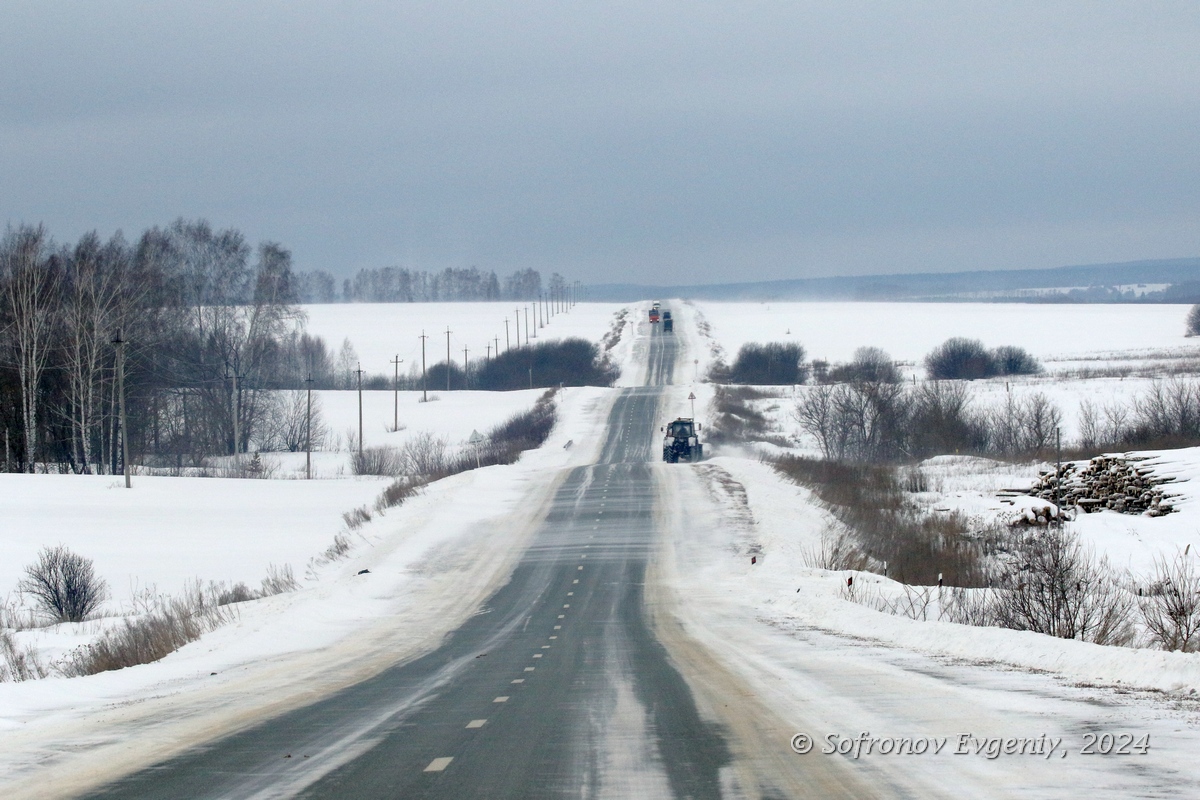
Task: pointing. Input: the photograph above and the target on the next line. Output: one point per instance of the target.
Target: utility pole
(233, 409)
(517, 317)
(120, 344)
(507, 345)
(497, 349)
(449, 364)
(359, 372)
(466, 368)
(489, 360)
(308, 431)
(424, 389)
(1058, 476)
(526, 324)
(396, 362)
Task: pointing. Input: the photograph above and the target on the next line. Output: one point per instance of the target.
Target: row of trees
(399, 285)
(782, 363)
(868, 421)
(215, 355)
(204, 321)
(873, 421)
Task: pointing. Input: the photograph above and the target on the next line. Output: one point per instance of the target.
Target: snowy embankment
(780, 525)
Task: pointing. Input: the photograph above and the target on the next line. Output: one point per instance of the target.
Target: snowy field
(169, 530)
(381, 332)
(1061, 336)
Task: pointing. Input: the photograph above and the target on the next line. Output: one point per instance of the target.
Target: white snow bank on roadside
(783, 590)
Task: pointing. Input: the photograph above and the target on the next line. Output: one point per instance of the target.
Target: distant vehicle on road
(681, 442)
(654, 314)
(667, 323)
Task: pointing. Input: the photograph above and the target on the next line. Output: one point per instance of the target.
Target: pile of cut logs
(1111, 482)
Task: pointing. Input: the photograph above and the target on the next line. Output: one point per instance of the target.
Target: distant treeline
(213, 346)
(399, 285)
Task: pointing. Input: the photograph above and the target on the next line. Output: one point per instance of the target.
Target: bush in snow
(770, 364)
(870, 365)
(279, 580)
(968, 359)
(386, 461)
(1012, 360)
(1193, 320)
(960, 359)
(18, 663)
(64, 584)
(1050, 583)
(152, 636)
(1171, 611)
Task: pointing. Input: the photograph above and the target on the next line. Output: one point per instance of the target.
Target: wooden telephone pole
(396, 362)
(359, 372)
(120, 344)
(308, 430)
(424, 388)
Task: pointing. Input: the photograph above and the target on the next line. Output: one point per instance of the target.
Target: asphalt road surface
(556, 688)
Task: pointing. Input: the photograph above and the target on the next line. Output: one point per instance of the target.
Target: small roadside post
(476, 440)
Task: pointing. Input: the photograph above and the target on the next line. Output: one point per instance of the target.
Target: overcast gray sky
(644, 141)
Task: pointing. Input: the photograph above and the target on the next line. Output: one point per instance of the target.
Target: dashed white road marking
(439, 764)
(519, 680)
(476, 723)
(580, 567)
(553, 637)
(570, 594)
(502, 699)
(530, 669)
(545, 647)
(562, 616)
(558, 627)
(566, 605)
(575, 581)
(537, 655)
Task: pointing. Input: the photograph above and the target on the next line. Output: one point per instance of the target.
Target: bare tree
(30, 296)
(98, 294)
(1053, 585)
(425, 454)
(285, 422)
(64, 584)
(1171, 611)
(814, 413)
